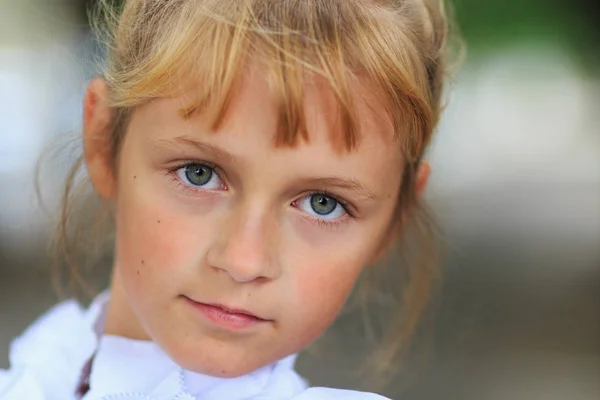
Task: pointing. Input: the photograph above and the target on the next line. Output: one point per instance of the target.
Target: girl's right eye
(199, 176)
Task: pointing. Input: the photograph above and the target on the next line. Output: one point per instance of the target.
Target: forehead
(250, 126)
(314, 114)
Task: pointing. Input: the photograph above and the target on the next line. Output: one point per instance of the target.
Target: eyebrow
(222, 155)
(343, 183)
(218, 153)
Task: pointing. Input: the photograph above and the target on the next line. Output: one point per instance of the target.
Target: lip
(227, 317)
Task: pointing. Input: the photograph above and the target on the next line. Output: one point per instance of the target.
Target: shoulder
(62, 325)
(5, 378)
(46, 353)
(18, 384)
(319, 393)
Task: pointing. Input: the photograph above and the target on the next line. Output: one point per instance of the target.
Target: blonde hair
(156, 48)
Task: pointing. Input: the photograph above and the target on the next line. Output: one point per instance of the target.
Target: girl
(256, 157)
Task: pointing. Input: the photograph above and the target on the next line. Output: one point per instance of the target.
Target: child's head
(257, 155)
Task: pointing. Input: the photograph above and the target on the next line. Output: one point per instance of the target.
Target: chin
(231, 364)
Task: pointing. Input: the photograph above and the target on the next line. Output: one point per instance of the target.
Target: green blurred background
(573, 25)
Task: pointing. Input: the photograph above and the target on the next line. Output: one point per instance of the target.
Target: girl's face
(232, 253)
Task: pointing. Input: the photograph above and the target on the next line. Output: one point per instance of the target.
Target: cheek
(321, 285)
(155, 239)
(323, 267)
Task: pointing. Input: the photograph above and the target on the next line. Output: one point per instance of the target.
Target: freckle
(135, 177)
(142, 261)
(159, 221)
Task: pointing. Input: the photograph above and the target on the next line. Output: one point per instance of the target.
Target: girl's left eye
(321, 206)
(199, 175)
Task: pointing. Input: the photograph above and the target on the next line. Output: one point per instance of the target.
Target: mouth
(226, 317)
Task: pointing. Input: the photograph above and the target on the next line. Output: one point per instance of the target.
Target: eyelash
(172, 173)
(329, 223)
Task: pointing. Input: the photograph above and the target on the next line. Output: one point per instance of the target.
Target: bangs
(210, 45)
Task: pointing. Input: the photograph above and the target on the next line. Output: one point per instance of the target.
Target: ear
(97, 138)
(422, 178)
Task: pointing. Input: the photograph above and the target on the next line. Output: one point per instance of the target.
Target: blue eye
(321, 206)
(199, 175)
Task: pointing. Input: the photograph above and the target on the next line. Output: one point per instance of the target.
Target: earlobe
(97, 138)
(423, 174)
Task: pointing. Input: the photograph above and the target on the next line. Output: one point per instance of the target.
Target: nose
(244, 248)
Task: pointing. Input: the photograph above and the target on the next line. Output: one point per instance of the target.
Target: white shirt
(48, 359)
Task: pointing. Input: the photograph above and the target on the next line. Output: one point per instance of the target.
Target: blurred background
(516, 186)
